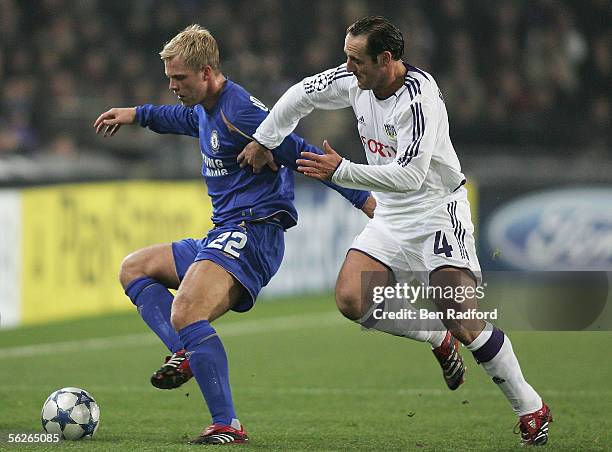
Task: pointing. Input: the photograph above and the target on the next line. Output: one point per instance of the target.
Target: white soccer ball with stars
(72, 413)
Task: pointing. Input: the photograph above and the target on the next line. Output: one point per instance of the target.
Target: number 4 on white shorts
(441, 245)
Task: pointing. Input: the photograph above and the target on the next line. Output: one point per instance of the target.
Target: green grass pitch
(303, 379)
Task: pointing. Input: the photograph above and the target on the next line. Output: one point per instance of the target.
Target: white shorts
(413, 248)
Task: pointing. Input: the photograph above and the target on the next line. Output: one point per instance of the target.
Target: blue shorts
(251, 252)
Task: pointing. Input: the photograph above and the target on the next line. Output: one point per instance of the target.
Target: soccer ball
(72, 413)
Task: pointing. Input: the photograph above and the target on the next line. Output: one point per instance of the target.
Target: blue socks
(154, 302)
(207, 357)
(208, 363)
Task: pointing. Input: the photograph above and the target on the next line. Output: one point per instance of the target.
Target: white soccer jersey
(412, 167)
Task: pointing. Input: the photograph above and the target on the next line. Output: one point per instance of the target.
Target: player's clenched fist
(110, 121)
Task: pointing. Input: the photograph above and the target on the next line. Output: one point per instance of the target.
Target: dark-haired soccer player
(226, 269)
(422, 223)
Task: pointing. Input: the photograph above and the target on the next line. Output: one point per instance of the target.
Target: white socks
(493, 350)
(422, 330)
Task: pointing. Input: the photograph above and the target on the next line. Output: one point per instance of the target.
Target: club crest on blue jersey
(214, 140)
(390, 131)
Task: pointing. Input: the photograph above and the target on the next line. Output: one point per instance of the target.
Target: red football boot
(451, 361)
(174, 373)
(534, 427)
(218, 434)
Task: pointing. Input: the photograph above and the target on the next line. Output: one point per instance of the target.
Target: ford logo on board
(569, 229)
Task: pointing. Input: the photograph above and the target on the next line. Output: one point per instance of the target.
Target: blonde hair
(196, 46)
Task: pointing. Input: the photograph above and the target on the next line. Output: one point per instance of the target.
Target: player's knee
(180, 315)
(348, 302)
(131, 268)
(184, 312)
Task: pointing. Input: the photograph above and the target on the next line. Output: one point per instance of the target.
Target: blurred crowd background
(524, 77)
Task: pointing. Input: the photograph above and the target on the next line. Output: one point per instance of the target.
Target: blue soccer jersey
(236, 193)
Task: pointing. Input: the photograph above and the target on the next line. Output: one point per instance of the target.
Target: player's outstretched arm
(328, 90)
(110, 121)
(256, 155)
(417, 131)
(175, 119)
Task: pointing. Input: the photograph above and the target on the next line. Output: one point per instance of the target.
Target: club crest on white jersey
(390, 131)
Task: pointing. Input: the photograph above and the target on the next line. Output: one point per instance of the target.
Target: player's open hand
(110, 121)
(317, 166)
(257, 156)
